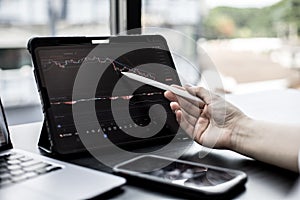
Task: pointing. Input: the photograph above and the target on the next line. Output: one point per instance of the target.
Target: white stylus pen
(162, 86)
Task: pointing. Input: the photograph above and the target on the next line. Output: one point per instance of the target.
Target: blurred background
(254, 44)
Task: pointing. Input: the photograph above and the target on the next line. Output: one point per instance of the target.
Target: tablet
(57, 61)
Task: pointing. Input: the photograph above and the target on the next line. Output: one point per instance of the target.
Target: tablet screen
(59, 65)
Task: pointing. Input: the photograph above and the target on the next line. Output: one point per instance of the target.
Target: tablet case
(44, 140)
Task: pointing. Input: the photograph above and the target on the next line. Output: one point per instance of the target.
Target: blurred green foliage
(276, 20)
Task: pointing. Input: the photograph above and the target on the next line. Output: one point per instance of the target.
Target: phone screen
(186, 174)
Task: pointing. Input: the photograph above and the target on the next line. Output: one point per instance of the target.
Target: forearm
(272, 143)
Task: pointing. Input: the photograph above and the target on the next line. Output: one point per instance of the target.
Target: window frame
(125, 15)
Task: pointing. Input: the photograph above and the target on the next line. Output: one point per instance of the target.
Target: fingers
(196, 103)
(189, 118)
(200, 127)
(194, 129)
(174, 106)
(181, 114)
(203, 120)
(184, 124)
(201, 92)
(188, 107)
(170, 96)
(173, 97)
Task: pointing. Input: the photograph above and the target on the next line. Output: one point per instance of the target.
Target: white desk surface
(282, 106)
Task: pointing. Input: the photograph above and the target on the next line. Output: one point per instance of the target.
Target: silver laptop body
(57, 180)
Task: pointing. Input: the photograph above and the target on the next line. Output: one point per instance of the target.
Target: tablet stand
(44, 140)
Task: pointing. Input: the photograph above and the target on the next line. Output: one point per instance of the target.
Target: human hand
(211, 124)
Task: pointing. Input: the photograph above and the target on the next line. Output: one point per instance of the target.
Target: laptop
(23, 174)
(89, 104)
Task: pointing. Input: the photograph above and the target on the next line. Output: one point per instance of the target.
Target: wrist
(240, 134)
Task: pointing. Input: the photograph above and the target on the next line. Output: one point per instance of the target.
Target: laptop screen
(58, 67)
(3, 128)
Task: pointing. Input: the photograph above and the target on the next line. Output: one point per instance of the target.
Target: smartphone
(182, 175)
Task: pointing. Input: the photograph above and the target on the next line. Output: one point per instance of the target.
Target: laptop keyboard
(15, 167)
